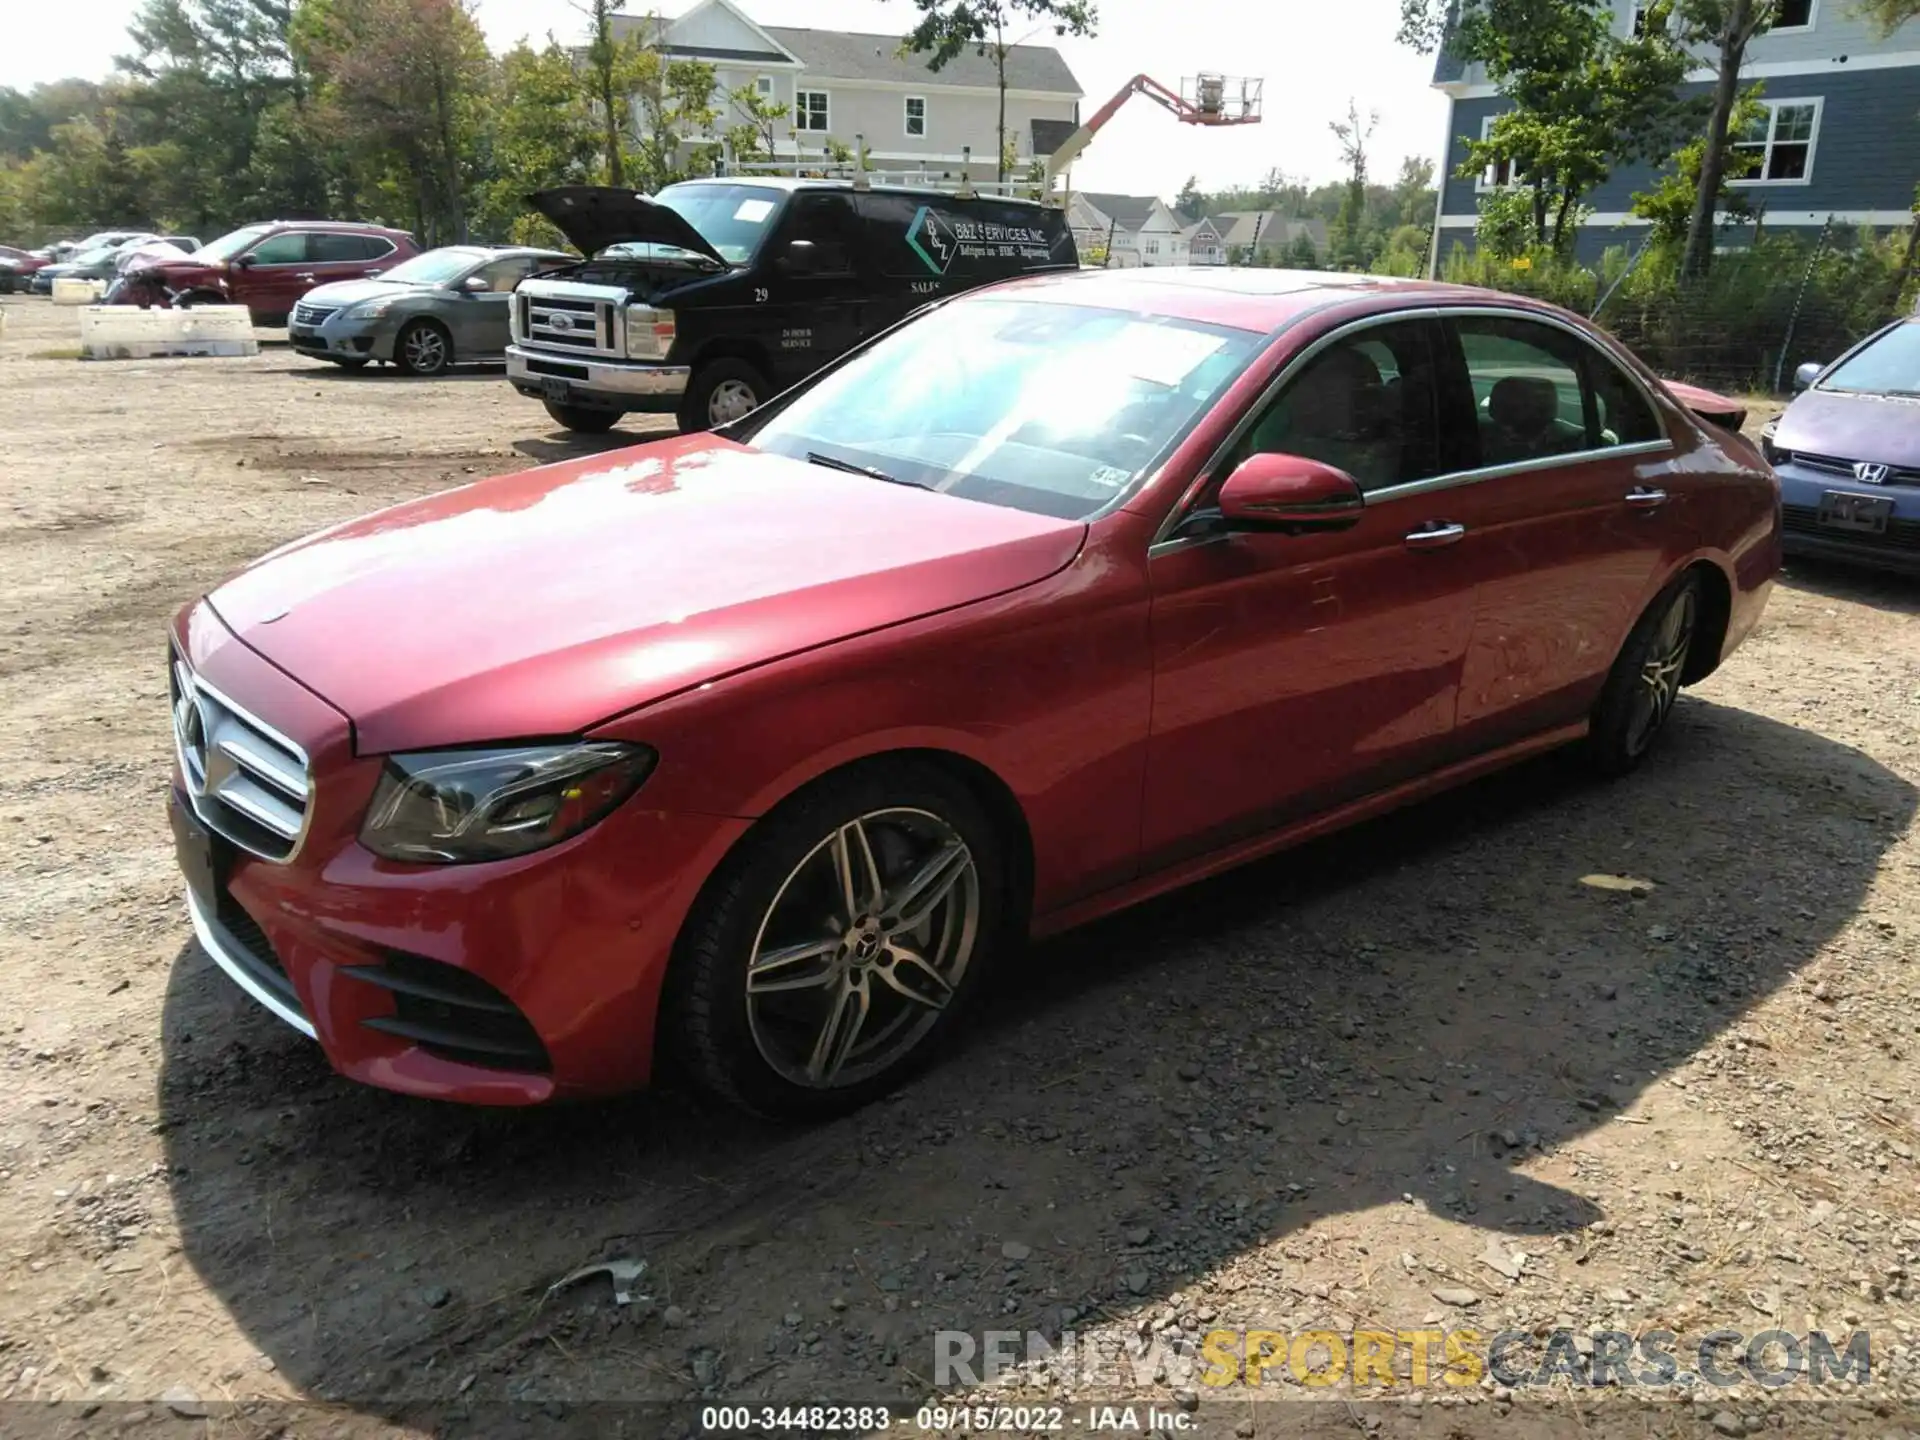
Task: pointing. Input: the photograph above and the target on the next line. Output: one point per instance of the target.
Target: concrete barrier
(126, 332)
(78, 292)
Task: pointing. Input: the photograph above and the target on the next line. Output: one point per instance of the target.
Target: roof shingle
(848, 55)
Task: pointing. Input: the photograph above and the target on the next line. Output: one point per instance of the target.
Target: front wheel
(423, 348)
(838, 946)
(586, 419)
(1645, 680)
(722, 391)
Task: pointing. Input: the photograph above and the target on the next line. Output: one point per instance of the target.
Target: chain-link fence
(1759, 312)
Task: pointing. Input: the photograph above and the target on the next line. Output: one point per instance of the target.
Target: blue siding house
(1841, 137)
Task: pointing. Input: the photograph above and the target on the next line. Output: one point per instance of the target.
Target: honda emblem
(1870, 474)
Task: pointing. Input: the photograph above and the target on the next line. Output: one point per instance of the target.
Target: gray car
(441, 308)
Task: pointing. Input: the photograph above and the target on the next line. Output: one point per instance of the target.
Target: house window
(916, 115)
(1151, 246)
(763, 86)
(1639, 28)
(810, 110)
(1792, 15)
(1781, 143)
(1501, 173)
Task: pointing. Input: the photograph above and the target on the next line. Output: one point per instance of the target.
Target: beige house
(1139, 229)
(857, 88)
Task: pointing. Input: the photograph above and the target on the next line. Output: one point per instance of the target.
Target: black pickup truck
(707, 299)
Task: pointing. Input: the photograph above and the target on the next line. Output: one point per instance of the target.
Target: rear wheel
(722, 391)
(586, 419)
(1645, 680)
(423, 347)
(839, 944)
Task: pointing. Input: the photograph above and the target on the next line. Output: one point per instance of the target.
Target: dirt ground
(1420, 1076)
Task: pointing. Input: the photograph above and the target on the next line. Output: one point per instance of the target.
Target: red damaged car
(268, 267)
(750, 752)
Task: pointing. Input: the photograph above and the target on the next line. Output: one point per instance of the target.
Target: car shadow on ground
(374, 372)
(1883, 590)
(571, 444)
(1408, 1012)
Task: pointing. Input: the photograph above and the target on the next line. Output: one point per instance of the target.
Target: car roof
(366, 225)
(1249, 299)
(790, 182)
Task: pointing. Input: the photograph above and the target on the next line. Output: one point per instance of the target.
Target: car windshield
(731, 218)
(436, 267)
(228, 246)
(94, 257)
(1888, 366)
(1056, 409)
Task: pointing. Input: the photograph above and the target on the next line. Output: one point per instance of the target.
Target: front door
(480, 311)
(275, 273)
(1294, 672)
(1572, 519)
(813, 313)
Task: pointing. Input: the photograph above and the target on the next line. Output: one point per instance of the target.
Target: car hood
(544, 602)
(352, 292)
(1879, 428)
(593, 217)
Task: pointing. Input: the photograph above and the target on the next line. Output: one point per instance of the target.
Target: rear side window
(1625, 417)
(287, 248)
(343, 249)
(1368, 405)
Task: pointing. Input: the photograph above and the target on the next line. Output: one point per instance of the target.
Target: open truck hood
(593, 217)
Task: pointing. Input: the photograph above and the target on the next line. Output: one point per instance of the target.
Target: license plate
(1865, 513)
(202, 855)
(555, 389)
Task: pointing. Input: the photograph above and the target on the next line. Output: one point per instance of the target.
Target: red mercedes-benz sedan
(751, 751)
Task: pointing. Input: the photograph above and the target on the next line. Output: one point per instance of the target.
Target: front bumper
(654, 389)
(508, 983)
(340, 338)
(1896, 548)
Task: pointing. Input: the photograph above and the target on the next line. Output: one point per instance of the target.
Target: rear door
(1573, 516)
(1295, 672)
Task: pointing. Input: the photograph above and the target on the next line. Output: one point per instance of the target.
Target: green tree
(1190, 204)
(948, 27)
(1669, 204)
(1347, 241)
(544, 134)
(1300, 254)
(753, 125)
(1726, 27)
(1887, 16)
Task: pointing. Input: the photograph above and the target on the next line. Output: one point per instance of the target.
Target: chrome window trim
(272, 733)
(1180, 512)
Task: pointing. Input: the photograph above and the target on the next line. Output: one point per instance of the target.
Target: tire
(844, 1018)
(585, 419)
(1644, 684)
(423, 348)
(722, 390)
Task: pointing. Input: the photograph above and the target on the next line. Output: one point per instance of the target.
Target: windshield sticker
(753, 211)
(936, 239)
(1110, 476)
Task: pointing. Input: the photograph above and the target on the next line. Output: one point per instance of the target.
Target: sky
(1314, 55)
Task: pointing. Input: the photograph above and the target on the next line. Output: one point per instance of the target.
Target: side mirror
(1289, 493)
(1807, 374)
(800, 258)
(475, 285)
(243, 262)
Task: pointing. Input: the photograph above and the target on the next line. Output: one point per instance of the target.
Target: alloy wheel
(730, 400)
(1658, 685)
(863, 948)
(425, 350)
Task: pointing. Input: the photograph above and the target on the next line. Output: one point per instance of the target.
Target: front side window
(1054, 409)
(823, 230)
(1368, 405)
(1779, 143)
(810, 110)
(287, 248)
(916, 115)
(1888, 365)
(502, 275)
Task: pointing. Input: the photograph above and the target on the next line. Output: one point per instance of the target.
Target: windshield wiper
(814, 457)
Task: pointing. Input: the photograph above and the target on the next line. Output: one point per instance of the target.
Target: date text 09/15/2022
(943, 1419)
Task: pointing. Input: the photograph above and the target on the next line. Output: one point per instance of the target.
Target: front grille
(244, 779)
(567, 324)
(304, 314)
(559, 368)
(1805, 520)
(452, 1013)
(1834, 465)
(246, 944)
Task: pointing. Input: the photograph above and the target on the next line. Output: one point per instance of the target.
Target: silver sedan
(441, 308)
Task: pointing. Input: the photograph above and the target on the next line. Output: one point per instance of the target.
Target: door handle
(309, 275)
(1641, 498)
(1434, 536)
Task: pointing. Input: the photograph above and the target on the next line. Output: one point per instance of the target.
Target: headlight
(451, 807)
(369, 309)
(1773, 454)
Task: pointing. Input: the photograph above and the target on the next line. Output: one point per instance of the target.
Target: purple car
(1848, 454)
